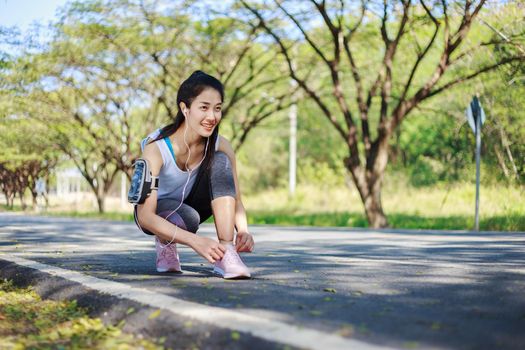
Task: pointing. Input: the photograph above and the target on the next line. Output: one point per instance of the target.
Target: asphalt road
(352, 288)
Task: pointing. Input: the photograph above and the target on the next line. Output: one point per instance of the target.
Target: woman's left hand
(244, 242)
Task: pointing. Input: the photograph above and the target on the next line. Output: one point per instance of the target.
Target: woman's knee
(222, 181)
(185, 217)
(174, 217)
(190, 217)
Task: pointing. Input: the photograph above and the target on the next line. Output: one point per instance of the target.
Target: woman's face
(205, 112)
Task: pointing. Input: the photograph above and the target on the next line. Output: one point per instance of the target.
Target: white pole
(59, 185)
(293, 148)
(123, 194)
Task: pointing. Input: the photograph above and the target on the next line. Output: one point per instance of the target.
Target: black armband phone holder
(142, 182)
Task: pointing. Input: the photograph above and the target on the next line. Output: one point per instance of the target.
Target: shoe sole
(230, 276)
(168, 270)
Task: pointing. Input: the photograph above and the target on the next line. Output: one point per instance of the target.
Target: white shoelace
(232, 256)
(169, 251)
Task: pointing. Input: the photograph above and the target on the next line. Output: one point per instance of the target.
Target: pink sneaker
(231, 265)
(167, 257)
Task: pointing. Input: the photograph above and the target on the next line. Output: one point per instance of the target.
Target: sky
(22, 13)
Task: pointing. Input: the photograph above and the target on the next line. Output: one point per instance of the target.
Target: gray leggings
(209, 185)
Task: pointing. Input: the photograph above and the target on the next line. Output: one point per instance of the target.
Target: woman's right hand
(208, 248)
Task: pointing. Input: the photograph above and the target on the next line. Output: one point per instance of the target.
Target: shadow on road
(406, 289)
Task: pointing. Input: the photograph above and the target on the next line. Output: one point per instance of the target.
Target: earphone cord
(187, 182)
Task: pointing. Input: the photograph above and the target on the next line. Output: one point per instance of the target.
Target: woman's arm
(244, 240)
(165, 230)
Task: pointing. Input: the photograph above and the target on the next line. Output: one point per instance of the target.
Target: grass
(114, 216)
(28, 322)
(347, 219)
(440, 207)
(15, 208)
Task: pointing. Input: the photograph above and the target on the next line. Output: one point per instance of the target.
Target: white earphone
(190, 171)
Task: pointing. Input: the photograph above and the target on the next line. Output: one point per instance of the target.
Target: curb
(179, 332)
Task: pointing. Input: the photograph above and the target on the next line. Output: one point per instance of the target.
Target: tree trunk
(22, 200)
(501, 161)
(369, 188)
(34, 199)
(374, 209)
(101, 203)
(369, 181)
(371, 198)
(11, 200)
(45, 194)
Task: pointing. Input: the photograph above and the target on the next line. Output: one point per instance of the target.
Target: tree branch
(306, 36)
(333, 65)
(475, 74)
(421, 56)
(293, 75)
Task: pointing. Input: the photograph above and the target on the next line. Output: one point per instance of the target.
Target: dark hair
(190, 88)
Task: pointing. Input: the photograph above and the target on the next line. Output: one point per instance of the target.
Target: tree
(162, 44)
(503, 95)
(111, 74)
(229, 49)
(26, 154)
(366, 112)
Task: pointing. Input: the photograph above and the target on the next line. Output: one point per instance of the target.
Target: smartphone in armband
(142, 182)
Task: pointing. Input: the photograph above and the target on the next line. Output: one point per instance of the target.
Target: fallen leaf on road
(436, 326)
(346, 331)
(331, 290)
(178, 284)
(411, 345)
(154, 314)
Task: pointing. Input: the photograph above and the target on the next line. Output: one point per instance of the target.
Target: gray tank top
(171, 178)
